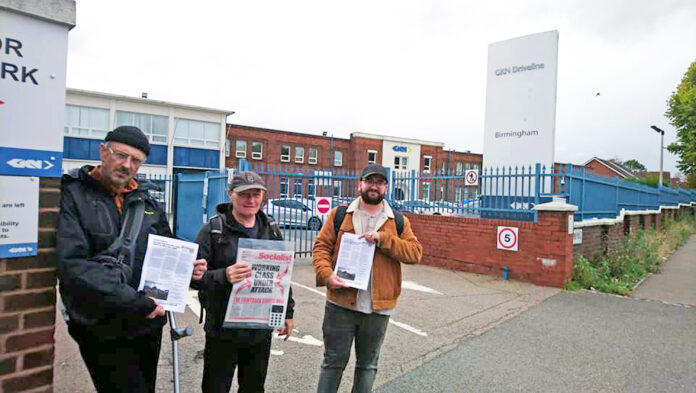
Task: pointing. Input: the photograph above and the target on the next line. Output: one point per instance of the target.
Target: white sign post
(19, 216)
(520, 116)
(508, 238)
(32, 95)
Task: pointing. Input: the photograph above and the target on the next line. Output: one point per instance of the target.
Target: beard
(365, 195)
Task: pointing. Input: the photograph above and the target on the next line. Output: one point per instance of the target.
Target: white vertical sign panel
(19, 216)
(33, 53)
(521, 101)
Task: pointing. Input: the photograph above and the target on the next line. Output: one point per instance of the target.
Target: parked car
(294, 212)
(423, 207)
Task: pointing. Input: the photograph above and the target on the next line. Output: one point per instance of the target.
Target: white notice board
(19, 216)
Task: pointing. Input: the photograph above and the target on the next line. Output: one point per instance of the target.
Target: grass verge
(639, 256)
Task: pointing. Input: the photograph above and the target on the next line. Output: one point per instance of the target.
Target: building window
(313, 155)
(427, 160)
(85, 121)
(310, 188)
(459, 168)
(299, 154)
(227, 147)
(256, 150)
(298, 188)
(285, 153)
(400, 162)
(338, 158)
(336, 188)
(372, 156)
(155, 127)
(196, 133)
(240, 149)
(426, 191)
(444, 168)
(283, 187)
(458, 194)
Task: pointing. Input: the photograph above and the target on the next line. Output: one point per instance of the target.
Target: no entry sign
(508, 238)
(323, 205)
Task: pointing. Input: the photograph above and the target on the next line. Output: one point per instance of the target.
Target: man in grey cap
(227, 349)
(361, 315)
(118, 329)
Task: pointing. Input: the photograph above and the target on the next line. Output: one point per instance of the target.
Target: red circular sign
(505, 240)
(323, 206)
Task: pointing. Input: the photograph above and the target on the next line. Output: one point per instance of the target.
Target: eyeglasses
(375, 182)
(121, 156)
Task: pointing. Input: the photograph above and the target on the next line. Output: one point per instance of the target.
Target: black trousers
(122, 364)
(249, 353)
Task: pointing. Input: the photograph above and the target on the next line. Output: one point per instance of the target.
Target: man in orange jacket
(362, 315)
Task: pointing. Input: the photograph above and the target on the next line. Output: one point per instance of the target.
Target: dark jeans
(126, 364)
(340, 327)
(222, 355)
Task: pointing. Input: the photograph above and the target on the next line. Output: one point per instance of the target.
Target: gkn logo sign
(20, 163)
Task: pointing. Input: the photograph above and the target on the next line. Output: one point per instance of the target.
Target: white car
(423, 207)
(294, 212)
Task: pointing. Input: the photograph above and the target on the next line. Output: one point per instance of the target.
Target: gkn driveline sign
(33, 56)
(520, 117)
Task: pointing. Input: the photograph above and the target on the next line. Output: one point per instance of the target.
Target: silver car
(296, 213)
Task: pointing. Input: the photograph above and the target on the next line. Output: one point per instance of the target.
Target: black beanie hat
(131, 136)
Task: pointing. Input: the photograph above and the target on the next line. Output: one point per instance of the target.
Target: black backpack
(341, 214)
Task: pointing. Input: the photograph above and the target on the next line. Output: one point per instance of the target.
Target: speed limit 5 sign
(508, 238)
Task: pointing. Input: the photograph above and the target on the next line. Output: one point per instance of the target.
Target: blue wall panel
(201, 158)
(158, 155)
(81, 148)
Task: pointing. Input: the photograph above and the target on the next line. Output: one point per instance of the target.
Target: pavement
(461, 332)
(581, 342)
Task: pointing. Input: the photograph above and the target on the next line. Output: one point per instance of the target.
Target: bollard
(506, 273)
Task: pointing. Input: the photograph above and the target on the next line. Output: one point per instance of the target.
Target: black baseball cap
(373, 169)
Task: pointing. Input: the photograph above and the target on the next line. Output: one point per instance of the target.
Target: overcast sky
(414, 69)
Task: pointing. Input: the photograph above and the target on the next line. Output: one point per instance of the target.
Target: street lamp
(662, 142)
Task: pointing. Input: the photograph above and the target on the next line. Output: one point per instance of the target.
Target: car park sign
(323, 205)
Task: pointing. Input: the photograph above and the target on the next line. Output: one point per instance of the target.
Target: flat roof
(147, 101)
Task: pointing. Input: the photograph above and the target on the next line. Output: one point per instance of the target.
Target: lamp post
(662, 142)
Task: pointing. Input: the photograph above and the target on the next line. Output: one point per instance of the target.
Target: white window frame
(458, 172)
(295, 184)
(256, 155)
(283, 183)
(311, 189)
(145, 122)
(373, 161)
(310, 159)
(299, 158)
(182, 134)
(338, 161)
(285, 157)
(400, 162)
(427, 163)
(227, 147)
(239, 153)
(426, 191)
(89, 131)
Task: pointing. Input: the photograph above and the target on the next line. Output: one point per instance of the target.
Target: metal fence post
(537, 183)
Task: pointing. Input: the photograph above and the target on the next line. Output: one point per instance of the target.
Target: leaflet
(259, 302)
(354, 262)
(167, 270)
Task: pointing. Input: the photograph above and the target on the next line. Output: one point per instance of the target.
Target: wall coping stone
(556, 206)
(620, 218)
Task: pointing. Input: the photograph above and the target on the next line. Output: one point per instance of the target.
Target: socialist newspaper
(255, 301)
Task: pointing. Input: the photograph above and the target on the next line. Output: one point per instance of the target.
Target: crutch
(176, 334)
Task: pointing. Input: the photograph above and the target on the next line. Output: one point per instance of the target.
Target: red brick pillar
(554, 242)
(28, 305)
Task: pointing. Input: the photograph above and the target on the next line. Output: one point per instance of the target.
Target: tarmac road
(438, 310)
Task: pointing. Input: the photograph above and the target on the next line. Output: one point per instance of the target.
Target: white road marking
(306, 339)
(417, 287)
(277, 352)
(402, 325)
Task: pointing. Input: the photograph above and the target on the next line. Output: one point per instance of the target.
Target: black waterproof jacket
(214, 289)
(96, 292)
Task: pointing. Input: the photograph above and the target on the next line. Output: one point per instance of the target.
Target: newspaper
(259, 302)
(354, 262)
(167, 270)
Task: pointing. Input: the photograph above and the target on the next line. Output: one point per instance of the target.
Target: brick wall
(545, 255)
(27, 305)
(607, 236)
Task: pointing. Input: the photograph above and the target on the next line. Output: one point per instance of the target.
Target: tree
(634, 165)
(682, 115)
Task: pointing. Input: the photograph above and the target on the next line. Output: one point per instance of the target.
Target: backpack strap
(215, 238)
(274, 228)
(341, 214)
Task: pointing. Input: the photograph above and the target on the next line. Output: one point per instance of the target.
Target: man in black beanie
(118, 329)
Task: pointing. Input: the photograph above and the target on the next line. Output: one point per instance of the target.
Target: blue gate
(197, 195)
